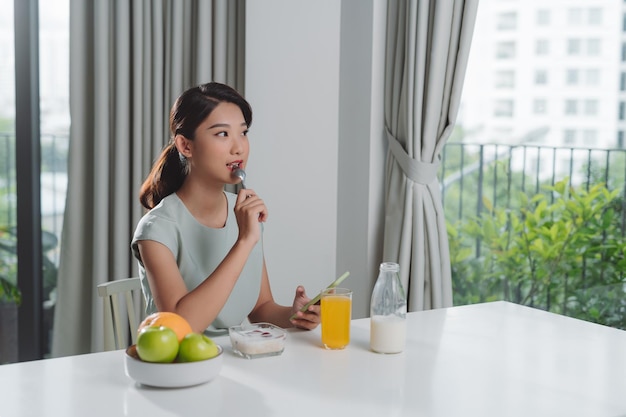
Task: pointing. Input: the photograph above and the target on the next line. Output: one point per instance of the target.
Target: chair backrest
(121, 296)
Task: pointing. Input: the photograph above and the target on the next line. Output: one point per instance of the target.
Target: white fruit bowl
(171, 375)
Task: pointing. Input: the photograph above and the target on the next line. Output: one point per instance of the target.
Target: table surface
(493, 359)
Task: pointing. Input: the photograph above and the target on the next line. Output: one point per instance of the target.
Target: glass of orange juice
(336, 306)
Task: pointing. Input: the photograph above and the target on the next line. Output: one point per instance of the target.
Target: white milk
(387, 334)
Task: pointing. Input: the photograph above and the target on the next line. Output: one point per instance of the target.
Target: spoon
(240, 173)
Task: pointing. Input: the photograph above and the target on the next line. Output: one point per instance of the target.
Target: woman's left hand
(309, 319)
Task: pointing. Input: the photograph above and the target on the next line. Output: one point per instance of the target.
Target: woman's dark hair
(190, 109)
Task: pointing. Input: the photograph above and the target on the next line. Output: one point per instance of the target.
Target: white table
(493, 359)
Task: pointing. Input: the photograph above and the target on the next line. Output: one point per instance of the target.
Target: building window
(569, 137)
(594, 16)
(573, 47)
(624, 22)
(591, 107)
(574, 16)
(505, 79)
(571, 76)
(541, 77)
(592, 76)
(593, 47)
(623, 51)
(571, 107)
(622, 110)
(540, 106)
(620, 139)
(507, 21)
(505, 50)
(542, 47)
(543, 17)
(622, 81)
(503, 108)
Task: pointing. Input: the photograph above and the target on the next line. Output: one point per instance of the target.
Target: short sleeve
(158, 229)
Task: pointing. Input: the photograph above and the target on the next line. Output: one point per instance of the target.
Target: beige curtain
(428, 44)
(129, 60)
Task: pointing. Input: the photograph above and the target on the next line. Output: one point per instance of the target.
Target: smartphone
(317, 298)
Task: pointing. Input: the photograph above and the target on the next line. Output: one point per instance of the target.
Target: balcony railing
(538, 225)
(487, 169)
(53, 181)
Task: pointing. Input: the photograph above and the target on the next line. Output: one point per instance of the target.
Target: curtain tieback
(417, 171)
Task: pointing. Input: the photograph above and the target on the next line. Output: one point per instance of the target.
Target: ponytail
(166, 177)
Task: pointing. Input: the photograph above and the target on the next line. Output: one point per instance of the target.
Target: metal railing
(53, 192)
(522, 168)
(53, 181)
(479, 179)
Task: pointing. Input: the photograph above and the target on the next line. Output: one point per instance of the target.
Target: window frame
(28, 175)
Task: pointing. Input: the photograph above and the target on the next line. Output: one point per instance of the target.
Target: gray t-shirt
(198, 250)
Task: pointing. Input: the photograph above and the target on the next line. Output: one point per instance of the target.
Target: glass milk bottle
(388, 311)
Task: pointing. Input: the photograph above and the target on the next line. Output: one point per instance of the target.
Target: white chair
(116, 326)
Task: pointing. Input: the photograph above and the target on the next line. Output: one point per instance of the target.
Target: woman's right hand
(250, 210)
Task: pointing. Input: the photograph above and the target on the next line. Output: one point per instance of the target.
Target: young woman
(199, 248)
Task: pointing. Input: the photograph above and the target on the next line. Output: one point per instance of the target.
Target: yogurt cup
(257, 340)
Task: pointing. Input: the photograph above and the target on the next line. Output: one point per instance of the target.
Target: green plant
(9, 291)
(562, 250)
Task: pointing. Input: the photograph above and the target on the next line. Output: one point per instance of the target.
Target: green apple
(157, 344)
(196, 347)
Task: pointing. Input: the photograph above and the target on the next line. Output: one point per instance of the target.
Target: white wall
(316, 140)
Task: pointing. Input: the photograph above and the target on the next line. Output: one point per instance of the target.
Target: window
(569, 137)
(571, 107)
(542, 47)
(571, 76)
(543, 17)
(505, 50)
(573, 47)
(8, 185)
(541, 77)
(591, 107)
(592, 76)
(558, 80)
(505, 79)
(52, 67)
(593, 47)
(594, 16)
(574, 17)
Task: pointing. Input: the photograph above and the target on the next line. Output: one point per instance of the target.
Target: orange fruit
(168, 319)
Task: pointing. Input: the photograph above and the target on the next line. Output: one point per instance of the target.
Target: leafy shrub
(562, 251)
(9, 292)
